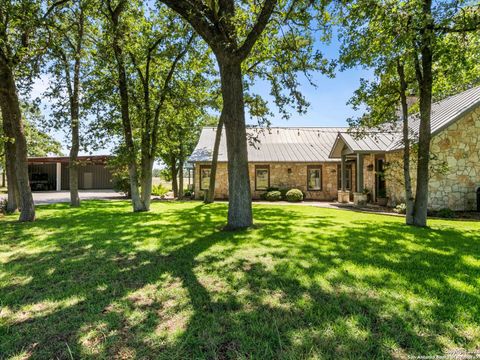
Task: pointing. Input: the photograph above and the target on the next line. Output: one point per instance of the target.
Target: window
(262, 177)
(348, 177)
(314, 177)
(204, 177)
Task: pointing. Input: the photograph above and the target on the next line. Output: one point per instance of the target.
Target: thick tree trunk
(425, 81)
(10, 108)
(147, 173)
(174, 172)
(409, 199)
(12, 190)
(4, 178)
(210, 198)
(239, 195)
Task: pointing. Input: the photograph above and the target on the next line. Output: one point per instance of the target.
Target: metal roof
(444, 113)
(274, 144)
(66, 159)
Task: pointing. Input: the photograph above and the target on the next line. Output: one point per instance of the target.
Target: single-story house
(52, 173)
(336, 164)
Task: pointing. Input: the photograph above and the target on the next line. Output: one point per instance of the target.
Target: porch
(367, 161)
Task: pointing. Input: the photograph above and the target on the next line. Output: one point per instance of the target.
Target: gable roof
(275, 144)
(444, 113)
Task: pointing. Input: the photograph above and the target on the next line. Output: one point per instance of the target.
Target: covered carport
(52, 173)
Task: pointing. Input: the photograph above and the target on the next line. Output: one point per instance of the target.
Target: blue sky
(327, 100)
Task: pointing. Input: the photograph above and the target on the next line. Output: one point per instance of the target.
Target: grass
(101, 282)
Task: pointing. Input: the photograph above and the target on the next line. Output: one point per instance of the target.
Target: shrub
(273, 195)
(446, 213)
(122, 185)
(272, 188)
(284, 193)
(188, 193)
(400, 209)
(159, 190)
(294, 195)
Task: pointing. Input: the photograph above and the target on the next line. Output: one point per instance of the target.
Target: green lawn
(102, 282)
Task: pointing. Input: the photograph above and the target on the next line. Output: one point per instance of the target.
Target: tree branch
(257, 29)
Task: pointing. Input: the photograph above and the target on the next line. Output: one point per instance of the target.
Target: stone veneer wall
(279, 177)
(459, 147)
(369, 176)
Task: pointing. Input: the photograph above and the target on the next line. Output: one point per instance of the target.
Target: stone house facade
(281, 176)
(283, 158)
(336, 164)
(455, 156)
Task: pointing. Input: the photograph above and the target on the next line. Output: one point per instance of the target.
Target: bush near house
(273, 196)
(294, 195)
(159, 190)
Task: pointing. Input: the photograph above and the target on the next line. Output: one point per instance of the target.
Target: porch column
(343, 173)
(359, 172)
(59, 176)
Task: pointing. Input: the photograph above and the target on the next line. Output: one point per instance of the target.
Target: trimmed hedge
(273, 195)
(294, 195)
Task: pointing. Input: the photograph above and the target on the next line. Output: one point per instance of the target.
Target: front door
(380, 185)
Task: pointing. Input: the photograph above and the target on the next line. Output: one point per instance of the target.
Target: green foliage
(39, 142)
(400, 208)
(118, 167)
(294, 195)
(274, 195)
(445, 213)
(159, 190)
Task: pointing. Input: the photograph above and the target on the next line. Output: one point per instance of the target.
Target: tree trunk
(125, 113)
(425, 81)
(10, 107)
(4, 176)
(147, 173)
(239, 195)
(409, 199)
(75, 117)
(180, 179)
(210, 198)
(174, 178)
(12, 191)
(73, 160)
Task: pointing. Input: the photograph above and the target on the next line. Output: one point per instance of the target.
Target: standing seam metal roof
(275, 144)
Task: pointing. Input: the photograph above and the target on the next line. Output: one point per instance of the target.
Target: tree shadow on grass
(170, 284)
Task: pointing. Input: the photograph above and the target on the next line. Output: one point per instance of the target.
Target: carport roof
(65, 159)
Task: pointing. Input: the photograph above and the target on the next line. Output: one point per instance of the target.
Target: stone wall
(280, 177)
(459, 147)
(369, 175)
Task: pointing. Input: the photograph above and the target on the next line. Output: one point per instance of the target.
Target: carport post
(59, 176)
